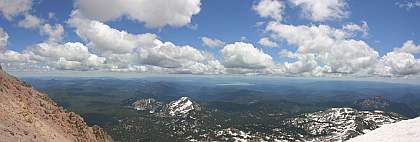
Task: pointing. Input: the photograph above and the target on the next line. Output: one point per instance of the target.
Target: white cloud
(13, 56)
(127, 52)
(244, 55)
(71, 55)
(11, 8)
(322, 10)
(30, 22)
(409, 47)
(51, 55)
(54, 33)
(265, 41)
(400, 63)
(8, 55)
(155, 14)
(408, 4)
(106, 39)
(212, 42)
(333, 49)
(362, 28)
(54, 51)
(243, 38)
(4, 37)
(270, 9)
(169, 55)
(305, 63)
(51, 15)
(323, 50)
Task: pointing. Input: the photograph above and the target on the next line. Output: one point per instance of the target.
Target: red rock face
(27, 115)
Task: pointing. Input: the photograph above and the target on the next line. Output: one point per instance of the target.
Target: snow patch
(403, 131)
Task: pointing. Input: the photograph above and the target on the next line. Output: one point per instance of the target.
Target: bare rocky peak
(28, 115)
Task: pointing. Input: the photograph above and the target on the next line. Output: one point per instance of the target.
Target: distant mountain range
(334, 124)
(383, 104)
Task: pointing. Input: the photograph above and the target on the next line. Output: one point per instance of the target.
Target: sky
(323, 38)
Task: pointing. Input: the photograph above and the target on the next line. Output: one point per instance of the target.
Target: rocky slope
(28, 115)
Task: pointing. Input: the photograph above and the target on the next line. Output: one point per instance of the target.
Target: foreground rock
(27, 115)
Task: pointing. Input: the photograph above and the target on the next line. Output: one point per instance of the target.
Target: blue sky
(389, 25)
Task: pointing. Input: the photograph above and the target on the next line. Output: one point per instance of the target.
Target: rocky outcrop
(28, 115)
(149, 104)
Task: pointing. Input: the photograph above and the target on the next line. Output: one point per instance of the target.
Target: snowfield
(403, 131)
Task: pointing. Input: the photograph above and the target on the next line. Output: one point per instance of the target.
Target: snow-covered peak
(181, 107)
(403, 131)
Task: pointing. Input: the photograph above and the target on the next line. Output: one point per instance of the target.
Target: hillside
(28, 115)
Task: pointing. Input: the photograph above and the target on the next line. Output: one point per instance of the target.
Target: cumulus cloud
(170, 56)
(400, 63)
(11, 8)
(362, 28)
(212, 42)
(333, 49)
(54, 33)
(305, 63)
(106, 39)
(322, 10)
(13, 56)
(4, 37)
(408, 4)
(126, 51)
(30, 22)
(154, 14)
(265, 41)
(244, 55)
(54, 51)
(270, 9)
(5, 54)
(409, 47)
(70, 55)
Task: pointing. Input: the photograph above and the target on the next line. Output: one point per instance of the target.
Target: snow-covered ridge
(338, 124)
(403, 131)
(180, 107)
